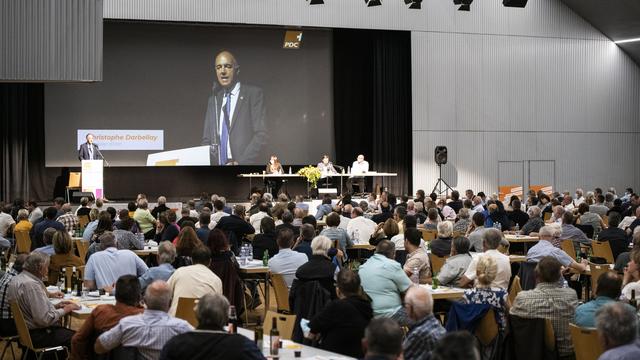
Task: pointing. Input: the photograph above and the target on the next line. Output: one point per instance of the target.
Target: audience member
(194, 281)
(535, 221)
(265, 240)
(125, 237)
(235, 227)
(105, 317)
(483, 293)
(617, 238)
(166, 228)
(7, 324)
(47, 240)
(476, 232)
(145, 220)
(91, 226)
(492, 240)
(68, 219)
(41, 316)
(203, 226)
(441, 246)
(35, 214)
(263, 212)
(433, 218)
(544, 248)
(617, 326)
(549, 300)
(7, 224)
(456, 264)
(210, 341)
(382, 340)
(319, 268)
(360, 228)
(161, 208)
(384, 231)
(164, 270)
(417, 259)
(303, 244)
(63, 255)
(23, 223)
(186, 244)
(457, 345)
(286, 262)
(607, 291)
(135, 331)
(589, 218)
(337, 235)
(463, 222)
(425, 330)
(385, 283)
(340, 326)
(571, 232)
(105, 267)
(517, 216)
(38, 229)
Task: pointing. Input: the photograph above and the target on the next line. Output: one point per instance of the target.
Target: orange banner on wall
(547, 189)
(508, 191)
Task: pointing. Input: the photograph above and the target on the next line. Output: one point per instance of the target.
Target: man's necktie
(90, 152)
(224, 135)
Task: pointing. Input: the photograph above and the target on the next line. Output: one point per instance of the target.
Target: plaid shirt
(550, 301)
(423, 338)
(69, 221)
(5, 307)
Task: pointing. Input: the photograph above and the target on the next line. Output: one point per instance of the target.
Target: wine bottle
(633, 302)
(258, 335)
(233, 320)
(274, 338)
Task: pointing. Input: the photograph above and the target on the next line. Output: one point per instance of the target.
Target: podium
(92, 177)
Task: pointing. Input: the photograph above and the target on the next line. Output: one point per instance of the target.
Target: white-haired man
(426, 330)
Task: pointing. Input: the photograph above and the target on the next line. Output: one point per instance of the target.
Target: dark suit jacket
(233, 224)
(83, 153)
(248, 133)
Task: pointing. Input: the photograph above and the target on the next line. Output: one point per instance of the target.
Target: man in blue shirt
(618, 331)
(164, 270)
(607, 291)
(286, 262)
(544, 248)
(49, 221)
(385, 282)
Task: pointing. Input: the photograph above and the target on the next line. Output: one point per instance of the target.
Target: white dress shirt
(359, 167)
(286, 262)
(256, 218)
(360, 229)
(235, 92)
(504, 269)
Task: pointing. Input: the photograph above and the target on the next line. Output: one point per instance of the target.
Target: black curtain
(372, 101)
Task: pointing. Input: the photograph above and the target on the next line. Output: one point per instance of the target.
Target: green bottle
(265, 258)
(434, 281)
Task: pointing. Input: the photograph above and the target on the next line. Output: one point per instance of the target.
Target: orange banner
(507, 191)
(547, 189)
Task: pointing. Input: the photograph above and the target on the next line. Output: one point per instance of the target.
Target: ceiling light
(316, 2)
(626, 40)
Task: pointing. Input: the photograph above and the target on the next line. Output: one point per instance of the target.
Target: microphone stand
(102, 156)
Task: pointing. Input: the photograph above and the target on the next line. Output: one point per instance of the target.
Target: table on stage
(382, 175)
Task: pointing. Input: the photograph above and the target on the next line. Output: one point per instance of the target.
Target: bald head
(419, 302)
(226, 69)
(158, 296)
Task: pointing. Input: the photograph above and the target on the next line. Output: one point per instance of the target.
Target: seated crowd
(358, 302)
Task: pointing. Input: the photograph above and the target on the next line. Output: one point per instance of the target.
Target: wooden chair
(549, 335)
(8, 343)
(83, 248)
(83, 220)
(23, 242)
(596, 271)
(281, 292)
(25, 337)
(436, 262)
(285, 324)
(547, 216)
(428, 235)
(186, 310)
(487, 328)
(605, 220)
(569, 248)
(585, 343)
(515, 289)
(74, 184)
(603, 249)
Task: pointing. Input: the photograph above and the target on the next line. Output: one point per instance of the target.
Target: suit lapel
(237, 108)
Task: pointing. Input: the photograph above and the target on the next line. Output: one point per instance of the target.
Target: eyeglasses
(226, 66)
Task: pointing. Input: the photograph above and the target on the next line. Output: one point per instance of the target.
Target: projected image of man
(235, 120)
(89, 150)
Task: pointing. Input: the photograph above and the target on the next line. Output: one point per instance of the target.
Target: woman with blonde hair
(483, 293)
(64, 256)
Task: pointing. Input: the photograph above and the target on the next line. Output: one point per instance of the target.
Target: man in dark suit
(89, 150)
(235, 227)
(235, 120)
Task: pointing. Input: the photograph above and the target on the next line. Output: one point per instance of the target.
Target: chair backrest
(23, 242)
(21, 325)
(586, 229)
(186, 310)
(74, 179)
(515, 289)
(603, 249)
(568, 247)
(487, 328)
(436, 262)
(285, 324)
(547, 216)
(83, 248)
(605, 220)
(281, 292)
(549, 335)
(586, 344)
(428, 235)
(597, 270)
(83, 220)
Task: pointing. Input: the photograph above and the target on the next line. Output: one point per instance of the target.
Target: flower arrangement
(312, 174)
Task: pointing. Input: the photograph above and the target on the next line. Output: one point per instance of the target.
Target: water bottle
(243, 255)
(517, 228)
(249, 252)
(415, 275)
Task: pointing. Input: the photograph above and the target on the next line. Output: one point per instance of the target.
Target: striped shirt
(5, 307)
(148, 332)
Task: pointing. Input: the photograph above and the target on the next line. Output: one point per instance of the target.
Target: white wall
(493, 84)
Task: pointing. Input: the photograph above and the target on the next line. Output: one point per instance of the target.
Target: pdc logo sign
(292, 40)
